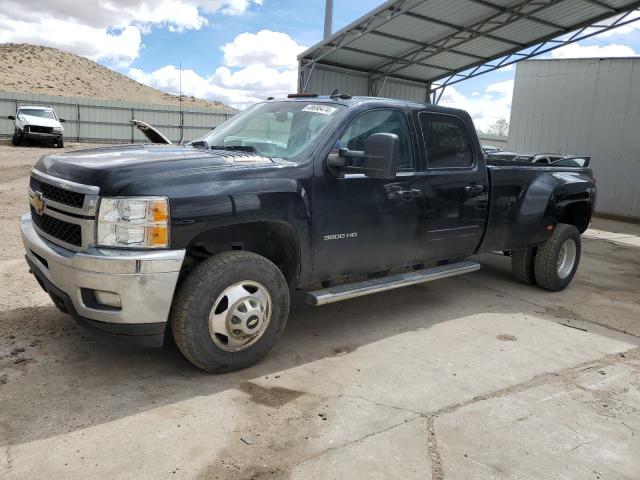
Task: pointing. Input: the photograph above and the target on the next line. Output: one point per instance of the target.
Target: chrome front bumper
(145, 280)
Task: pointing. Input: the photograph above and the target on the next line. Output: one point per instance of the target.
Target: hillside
(35, 69)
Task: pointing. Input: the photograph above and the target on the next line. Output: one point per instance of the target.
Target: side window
(446, 140)
(380, 121)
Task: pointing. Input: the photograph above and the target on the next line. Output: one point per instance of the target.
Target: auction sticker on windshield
(316, 108)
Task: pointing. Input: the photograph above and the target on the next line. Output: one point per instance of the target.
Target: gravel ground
(471, 377)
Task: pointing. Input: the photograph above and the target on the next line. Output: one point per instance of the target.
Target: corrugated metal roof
(428, 40)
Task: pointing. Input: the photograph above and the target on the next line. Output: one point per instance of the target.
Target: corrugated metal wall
(493, 140)
(104, 121)
(584, 107)
(325, 80)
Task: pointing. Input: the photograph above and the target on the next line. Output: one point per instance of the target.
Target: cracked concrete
(471, 377)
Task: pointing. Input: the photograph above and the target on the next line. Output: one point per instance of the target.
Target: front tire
(16, 139)
(558, 258)
(60, 143)
(230, 311)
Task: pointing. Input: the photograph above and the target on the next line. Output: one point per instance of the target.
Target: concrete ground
(474, 377)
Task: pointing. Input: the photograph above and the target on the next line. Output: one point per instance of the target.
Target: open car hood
(154, 135)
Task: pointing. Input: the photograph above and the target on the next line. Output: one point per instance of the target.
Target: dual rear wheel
(553, 264)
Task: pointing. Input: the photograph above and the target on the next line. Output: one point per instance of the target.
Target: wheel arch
(275, 240)
(577, 214)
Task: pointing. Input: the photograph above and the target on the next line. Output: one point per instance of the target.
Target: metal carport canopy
(436, 43)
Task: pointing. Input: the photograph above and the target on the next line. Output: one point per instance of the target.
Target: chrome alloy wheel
(240, 316)
(566, 258)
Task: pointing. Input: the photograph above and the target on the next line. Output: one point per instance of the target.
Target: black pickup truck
(336, 196)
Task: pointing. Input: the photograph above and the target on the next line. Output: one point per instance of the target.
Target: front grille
(37, 129)
(67, 232)
(57, 194)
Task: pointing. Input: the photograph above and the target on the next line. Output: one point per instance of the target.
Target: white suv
(35, 122)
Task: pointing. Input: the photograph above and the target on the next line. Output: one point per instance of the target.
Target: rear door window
(446, 140)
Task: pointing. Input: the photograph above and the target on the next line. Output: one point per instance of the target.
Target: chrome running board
(358, 289)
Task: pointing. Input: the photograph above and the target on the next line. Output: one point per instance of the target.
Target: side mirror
(61, 120)
(378, 160)
(11, 117)
(381, 152)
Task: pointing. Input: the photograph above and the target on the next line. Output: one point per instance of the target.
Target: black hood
(112, 168)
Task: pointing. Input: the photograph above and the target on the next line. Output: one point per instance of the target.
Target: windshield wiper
(238, 148)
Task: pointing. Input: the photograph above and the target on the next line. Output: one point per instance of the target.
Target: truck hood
(39, 121)
(113, 168)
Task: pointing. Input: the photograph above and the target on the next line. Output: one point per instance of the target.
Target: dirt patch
(505, 337)
(273, 397)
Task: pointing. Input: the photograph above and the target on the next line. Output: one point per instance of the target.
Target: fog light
(109, 299)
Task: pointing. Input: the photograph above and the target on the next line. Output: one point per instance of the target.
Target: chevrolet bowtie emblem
(38, 203)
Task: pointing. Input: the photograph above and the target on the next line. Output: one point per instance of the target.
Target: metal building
(413, 49)
(586, 107)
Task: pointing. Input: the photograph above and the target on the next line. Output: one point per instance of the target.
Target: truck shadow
(70, 381)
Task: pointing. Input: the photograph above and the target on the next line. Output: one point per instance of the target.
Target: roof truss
(462, 50)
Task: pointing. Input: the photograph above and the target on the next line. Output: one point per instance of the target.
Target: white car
(35, 122)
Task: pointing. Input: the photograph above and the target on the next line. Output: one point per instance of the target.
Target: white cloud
(485, 108)
(576, 50)
(272, 49)
(105, 30)
(256, 66)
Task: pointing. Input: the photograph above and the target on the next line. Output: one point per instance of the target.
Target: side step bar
(358, 289)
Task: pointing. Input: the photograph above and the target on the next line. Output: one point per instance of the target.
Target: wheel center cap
(253, 322)
(245, 317)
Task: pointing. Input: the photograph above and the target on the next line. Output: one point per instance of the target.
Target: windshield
(275, 129)
(36, 112)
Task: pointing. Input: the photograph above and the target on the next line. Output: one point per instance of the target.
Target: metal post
(328, 18)
(78, 118)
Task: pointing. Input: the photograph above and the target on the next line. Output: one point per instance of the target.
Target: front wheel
(230, 311)
(558, 258)
(16, 139)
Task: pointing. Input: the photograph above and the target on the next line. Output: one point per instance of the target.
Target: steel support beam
(546, 46)
(463, 36)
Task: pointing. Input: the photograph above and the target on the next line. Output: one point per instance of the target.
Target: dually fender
(524, 212)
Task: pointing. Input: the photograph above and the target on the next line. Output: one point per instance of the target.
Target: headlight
(57, 129)
(133, 222)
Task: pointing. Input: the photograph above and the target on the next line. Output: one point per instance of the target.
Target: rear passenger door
(454, 189)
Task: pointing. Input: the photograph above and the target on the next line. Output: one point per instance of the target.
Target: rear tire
(558, 258)
(523, 265)
(219, 296)
(16, 139)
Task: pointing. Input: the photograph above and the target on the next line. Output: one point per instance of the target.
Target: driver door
(365, 225)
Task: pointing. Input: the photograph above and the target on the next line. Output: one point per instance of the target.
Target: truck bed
(523, 201)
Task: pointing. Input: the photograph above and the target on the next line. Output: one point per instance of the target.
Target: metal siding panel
(104, 120)
(569, 13)
(584, 106)
(416, 29)
(324, 81)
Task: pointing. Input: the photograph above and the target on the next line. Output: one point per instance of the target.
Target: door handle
(474, 189)
(409, 193)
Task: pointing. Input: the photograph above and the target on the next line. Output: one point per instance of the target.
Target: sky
(239, 51)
